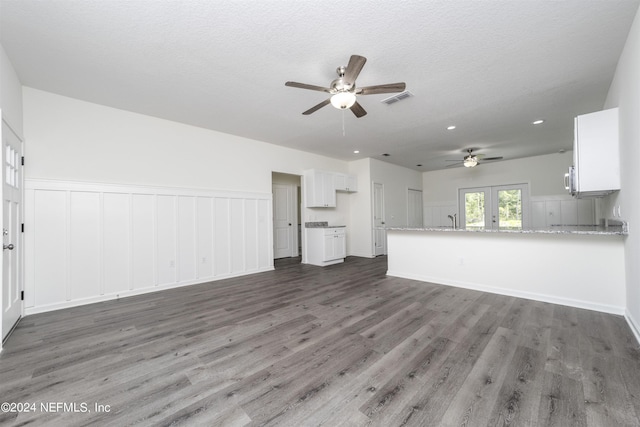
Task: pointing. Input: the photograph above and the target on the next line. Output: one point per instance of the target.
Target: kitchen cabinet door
(596, 156)
(345, 182)
(320, 191)
(326, 246)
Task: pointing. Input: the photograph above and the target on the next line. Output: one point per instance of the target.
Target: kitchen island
(576, 266)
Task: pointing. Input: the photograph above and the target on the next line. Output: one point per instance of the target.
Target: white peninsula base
(579, 270)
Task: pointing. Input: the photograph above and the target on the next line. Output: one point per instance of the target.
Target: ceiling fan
(343, 89)
(471, 160)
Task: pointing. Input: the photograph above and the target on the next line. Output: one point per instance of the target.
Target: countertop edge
(540, 231)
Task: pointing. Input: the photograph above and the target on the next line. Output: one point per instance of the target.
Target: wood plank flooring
(343, 345)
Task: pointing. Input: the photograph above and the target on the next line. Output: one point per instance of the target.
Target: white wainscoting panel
(116, 220)
(89, 242)
(187, 222)
(84, 251)
(143, 260)
(222, 242)
(561, 210)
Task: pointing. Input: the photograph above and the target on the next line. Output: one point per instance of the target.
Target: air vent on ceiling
(395, 98)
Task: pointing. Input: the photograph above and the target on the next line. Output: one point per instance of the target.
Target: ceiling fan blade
(491, 158)
(388, 88)
(306, 86)
(354, 67)
(358, 110)
(454, 164)
(317, 107)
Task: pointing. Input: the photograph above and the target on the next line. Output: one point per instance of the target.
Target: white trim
(129, 293)
(605, 308)
(48, 184)
(634, 325)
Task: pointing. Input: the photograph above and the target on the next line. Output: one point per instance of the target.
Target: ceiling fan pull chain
(343, 131)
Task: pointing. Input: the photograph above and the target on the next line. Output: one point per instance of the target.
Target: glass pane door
(473, 204)
(509, 210)
(494, 208)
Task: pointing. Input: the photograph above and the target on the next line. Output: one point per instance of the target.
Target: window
(12, 161)
(502, 207)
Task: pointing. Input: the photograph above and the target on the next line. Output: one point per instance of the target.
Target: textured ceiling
(488, 67)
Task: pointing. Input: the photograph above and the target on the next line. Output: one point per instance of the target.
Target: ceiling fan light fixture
(470, 161)
(343, 100)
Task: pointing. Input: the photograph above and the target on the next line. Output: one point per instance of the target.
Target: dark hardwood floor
(343, 345)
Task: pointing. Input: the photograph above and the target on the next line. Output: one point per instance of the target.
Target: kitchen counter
(575, 266)
(620, 230)
(321, 224)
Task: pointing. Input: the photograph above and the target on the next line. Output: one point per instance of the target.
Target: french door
(504, 207)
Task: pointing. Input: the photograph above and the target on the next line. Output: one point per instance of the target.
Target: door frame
(375, 229)
(491, 206)
(19, 236)
(295, 182)
(292, 196)
(410, 205)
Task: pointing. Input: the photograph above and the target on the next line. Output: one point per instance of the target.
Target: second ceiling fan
(471, 160)
(343, 89)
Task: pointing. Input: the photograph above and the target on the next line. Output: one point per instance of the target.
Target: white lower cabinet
(326, 246)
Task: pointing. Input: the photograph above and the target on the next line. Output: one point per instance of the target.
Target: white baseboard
(129, 293)
(633, 324)
(519, 294)
(361, 254)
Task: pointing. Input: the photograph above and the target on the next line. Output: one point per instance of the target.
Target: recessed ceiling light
(538, 122)
(419, 165)
(452, 127)
(356, 151)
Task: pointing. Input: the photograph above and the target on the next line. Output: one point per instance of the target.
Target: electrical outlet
(460, 261)
(204, 260)
(172, 264)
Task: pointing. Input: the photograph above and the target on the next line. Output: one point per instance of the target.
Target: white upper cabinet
(321, 186)
(345, 182)
(596, 155)
(320, 190)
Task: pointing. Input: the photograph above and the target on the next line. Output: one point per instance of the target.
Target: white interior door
(11, 223)
(379, 232)
(414, 208)
(284, 221)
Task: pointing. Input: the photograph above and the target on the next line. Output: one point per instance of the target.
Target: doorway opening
(287, 215)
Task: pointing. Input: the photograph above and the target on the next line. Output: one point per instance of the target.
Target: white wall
(625, 94)
(360, 232)
(10, 94)
(544, 174)
(73, 140)
(72, 143)
(397, 181)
